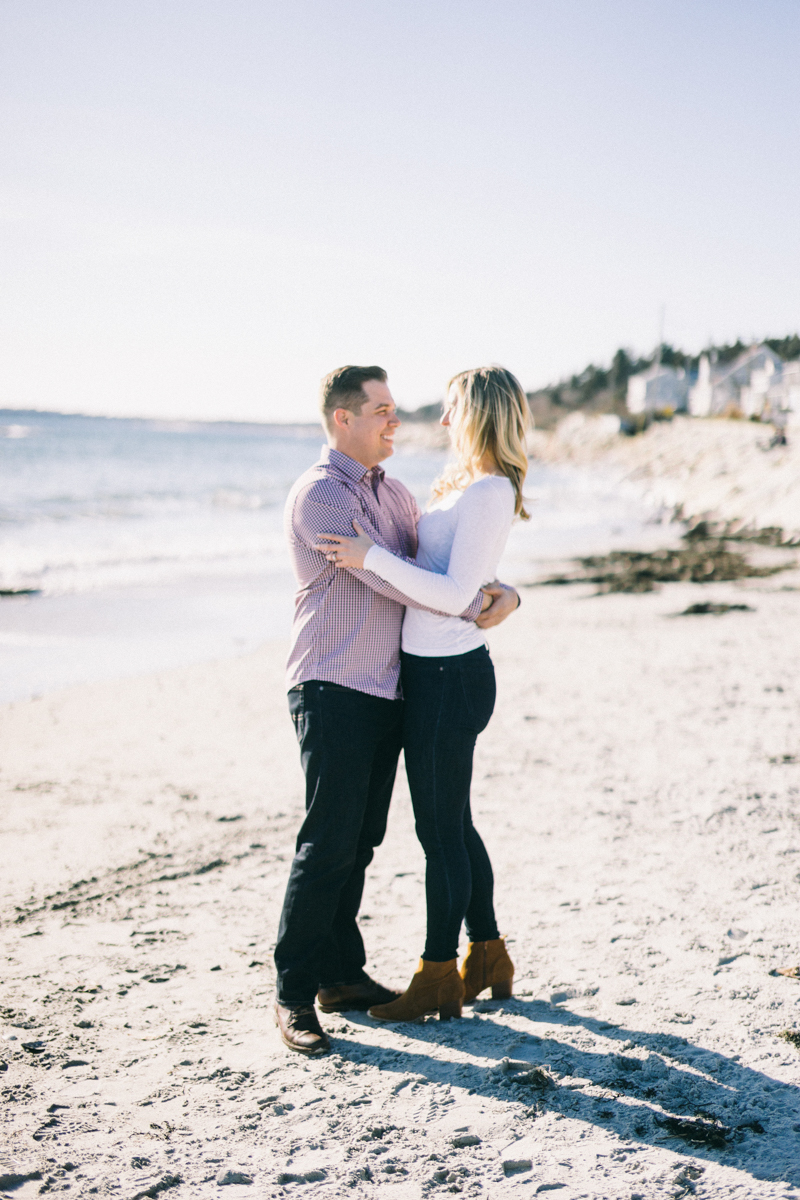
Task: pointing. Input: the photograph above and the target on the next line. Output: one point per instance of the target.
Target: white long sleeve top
(461, 540)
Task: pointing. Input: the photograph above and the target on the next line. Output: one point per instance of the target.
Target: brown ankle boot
(487, 965)
(436, 985)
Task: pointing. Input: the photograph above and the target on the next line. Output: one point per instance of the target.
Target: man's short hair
(344, 388)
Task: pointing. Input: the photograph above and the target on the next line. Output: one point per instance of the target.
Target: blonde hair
(490, 417)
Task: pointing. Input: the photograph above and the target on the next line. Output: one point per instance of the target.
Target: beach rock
(313, 1175)
(565, 994)
(516, 1166)
(229, 1176)
(509, 1071)
(163, 1185)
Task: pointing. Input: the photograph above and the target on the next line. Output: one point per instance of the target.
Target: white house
(745, 384)
(658, 388)
(782, 401)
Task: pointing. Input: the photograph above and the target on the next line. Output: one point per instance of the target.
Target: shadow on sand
(659, 1089)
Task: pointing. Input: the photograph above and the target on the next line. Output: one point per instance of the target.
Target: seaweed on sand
(705, 529)
(709, 606)
(697, 1133)
(642, 571)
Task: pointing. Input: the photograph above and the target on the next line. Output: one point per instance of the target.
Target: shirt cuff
(475, 609)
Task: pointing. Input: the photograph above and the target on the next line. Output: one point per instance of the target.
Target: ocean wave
(89, 503)
(86, 554)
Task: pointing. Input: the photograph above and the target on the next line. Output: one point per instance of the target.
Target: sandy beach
(208, 209)
(638, 790)
(718, 468)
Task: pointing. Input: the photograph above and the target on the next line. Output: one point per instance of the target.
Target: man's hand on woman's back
(505, 600)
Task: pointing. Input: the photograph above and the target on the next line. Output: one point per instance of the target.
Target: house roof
(719, 375)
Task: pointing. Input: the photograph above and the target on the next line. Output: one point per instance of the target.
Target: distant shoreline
(426, 415)
(265, 428)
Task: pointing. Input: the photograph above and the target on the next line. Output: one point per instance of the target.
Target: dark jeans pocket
(479, 691)
(297, 709)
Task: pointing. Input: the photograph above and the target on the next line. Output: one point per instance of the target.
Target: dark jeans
(447, 703)
(349, 746)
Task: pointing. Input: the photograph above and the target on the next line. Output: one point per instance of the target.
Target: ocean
(146, 544)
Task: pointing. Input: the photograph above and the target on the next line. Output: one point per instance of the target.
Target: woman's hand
(346, 551)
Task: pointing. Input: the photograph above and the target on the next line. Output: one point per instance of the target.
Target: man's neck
(349, 453)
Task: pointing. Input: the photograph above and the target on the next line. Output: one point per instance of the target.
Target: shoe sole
(500, 991)
(355, 1005)
(309, 1051)
(429, 1012)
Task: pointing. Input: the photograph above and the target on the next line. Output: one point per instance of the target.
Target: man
(344, 698)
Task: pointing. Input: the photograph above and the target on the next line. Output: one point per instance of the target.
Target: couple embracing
(388, 653)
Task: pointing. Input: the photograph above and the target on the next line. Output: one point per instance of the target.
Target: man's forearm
(313, 520)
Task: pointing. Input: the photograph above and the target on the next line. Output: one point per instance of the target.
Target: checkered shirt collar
(352, 469)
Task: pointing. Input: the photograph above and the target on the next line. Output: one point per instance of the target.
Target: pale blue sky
(207, 204)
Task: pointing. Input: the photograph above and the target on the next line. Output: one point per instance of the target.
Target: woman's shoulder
(496, 483)
(496, 489)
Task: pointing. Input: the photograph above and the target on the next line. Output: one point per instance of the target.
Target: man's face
(367, 436)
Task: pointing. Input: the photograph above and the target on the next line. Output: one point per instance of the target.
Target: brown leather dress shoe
(300, 1029)
(354, 997)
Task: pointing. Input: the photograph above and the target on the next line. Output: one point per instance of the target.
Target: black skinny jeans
(349, 746)
(447, 702)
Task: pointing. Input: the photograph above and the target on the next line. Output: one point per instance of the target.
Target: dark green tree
(621, 370)
(671, 357)
(787, 348)
(728, 352)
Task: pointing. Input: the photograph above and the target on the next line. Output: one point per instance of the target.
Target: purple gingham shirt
(347, 623)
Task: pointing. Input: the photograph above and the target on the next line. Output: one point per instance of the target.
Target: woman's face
(449, 414)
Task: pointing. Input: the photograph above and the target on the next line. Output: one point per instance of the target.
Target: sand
(719, 468)
(638, 789)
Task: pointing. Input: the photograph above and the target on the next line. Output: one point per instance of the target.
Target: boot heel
(501, 991)
(449, 1010)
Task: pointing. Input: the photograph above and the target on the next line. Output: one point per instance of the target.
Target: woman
(448, 682)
